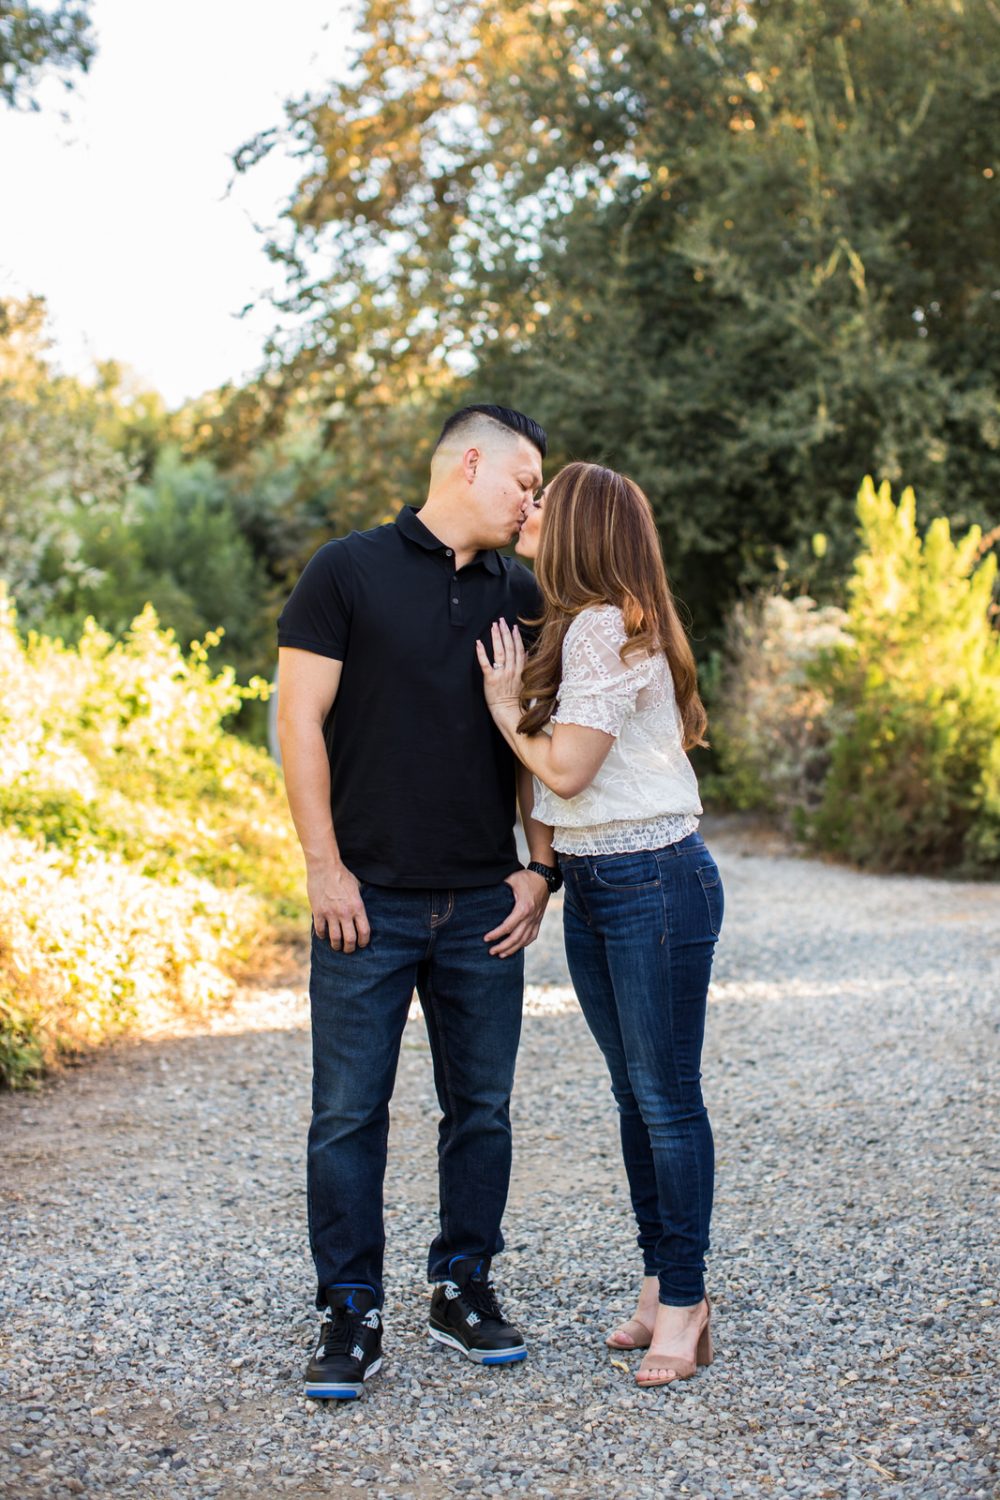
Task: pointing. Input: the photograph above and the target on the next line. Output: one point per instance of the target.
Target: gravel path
(156, 1291)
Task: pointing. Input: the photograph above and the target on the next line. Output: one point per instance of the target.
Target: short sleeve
(317, 616)
(598, 689)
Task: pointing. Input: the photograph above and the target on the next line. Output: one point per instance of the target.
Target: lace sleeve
(598, 689)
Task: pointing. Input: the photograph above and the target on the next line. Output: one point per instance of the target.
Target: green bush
(914, 775)
(873, 732)
(174, 543)
(146, 854)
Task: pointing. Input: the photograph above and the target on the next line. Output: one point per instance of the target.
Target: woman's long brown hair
(599, 545)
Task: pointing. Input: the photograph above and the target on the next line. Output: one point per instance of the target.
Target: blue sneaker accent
(477, 1269)
(352, 1287)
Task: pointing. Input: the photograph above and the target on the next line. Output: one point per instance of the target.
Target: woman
(603, 713)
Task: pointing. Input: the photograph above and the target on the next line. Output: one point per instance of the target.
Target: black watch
(551, 874)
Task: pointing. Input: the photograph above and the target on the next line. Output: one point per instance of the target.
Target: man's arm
(531, 891)
(307, 688)
(538, 835)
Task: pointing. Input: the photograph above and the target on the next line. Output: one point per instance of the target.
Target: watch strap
(551, 874)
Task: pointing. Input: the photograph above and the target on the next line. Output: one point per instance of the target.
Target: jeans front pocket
(711, 884)
(627, 872)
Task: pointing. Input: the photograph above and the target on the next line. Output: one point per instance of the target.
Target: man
(402, 793)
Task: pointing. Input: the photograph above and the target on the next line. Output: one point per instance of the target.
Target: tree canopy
(746, 252)
(34, 40)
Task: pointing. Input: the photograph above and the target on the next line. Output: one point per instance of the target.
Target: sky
(116, 200)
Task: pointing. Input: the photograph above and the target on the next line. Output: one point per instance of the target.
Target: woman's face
(527, 542)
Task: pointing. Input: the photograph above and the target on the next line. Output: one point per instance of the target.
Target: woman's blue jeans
(641, 931)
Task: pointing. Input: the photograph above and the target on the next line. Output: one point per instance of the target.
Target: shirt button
(454, 601)
(448, 552)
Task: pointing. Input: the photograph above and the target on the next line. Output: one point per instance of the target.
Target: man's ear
(470, 463)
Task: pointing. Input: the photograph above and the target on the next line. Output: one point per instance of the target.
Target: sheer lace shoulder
(599, 689)
(593, 644)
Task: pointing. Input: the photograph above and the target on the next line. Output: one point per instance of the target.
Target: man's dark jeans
(640, 937)
(431, 941)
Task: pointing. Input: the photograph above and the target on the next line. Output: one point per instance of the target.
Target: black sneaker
(349, 1351)
(466, 1316)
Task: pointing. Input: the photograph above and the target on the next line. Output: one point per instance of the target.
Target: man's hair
(503, 416)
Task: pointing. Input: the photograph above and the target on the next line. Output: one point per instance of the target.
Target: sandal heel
(705, 1353)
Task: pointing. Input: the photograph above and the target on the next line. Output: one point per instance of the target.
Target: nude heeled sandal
(683, 1369)
(640, 1340)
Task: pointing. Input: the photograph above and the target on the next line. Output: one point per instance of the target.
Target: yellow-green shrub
(144, 852)
(914, 778)
(874, 731)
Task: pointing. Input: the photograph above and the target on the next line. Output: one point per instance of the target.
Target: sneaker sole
(480, 1356)
(341, 1390)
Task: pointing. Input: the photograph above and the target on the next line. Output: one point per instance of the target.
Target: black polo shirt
(422, 782)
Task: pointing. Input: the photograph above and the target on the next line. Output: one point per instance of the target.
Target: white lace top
(645, 794)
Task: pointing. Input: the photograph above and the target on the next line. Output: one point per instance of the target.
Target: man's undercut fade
(472, 417)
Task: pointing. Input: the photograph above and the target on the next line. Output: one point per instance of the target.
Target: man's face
(508, 476)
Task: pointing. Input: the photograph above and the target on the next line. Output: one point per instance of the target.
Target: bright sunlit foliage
(145, 853)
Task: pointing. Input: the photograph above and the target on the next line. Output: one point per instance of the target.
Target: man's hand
(337, 908)
(531, 893)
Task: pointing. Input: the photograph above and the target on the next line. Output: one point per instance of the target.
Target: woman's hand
(502, 680)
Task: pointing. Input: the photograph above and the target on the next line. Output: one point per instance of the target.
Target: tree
(34, 40)
(744, 251)
(176, 545)
(55, 465)
(100, 515)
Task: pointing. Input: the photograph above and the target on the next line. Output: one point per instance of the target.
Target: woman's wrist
(507, 711)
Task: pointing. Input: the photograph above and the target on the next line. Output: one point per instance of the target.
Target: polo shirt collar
(414, 530)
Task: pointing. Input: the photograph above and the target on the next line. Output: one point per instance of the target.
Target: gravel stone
(156, 1304)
